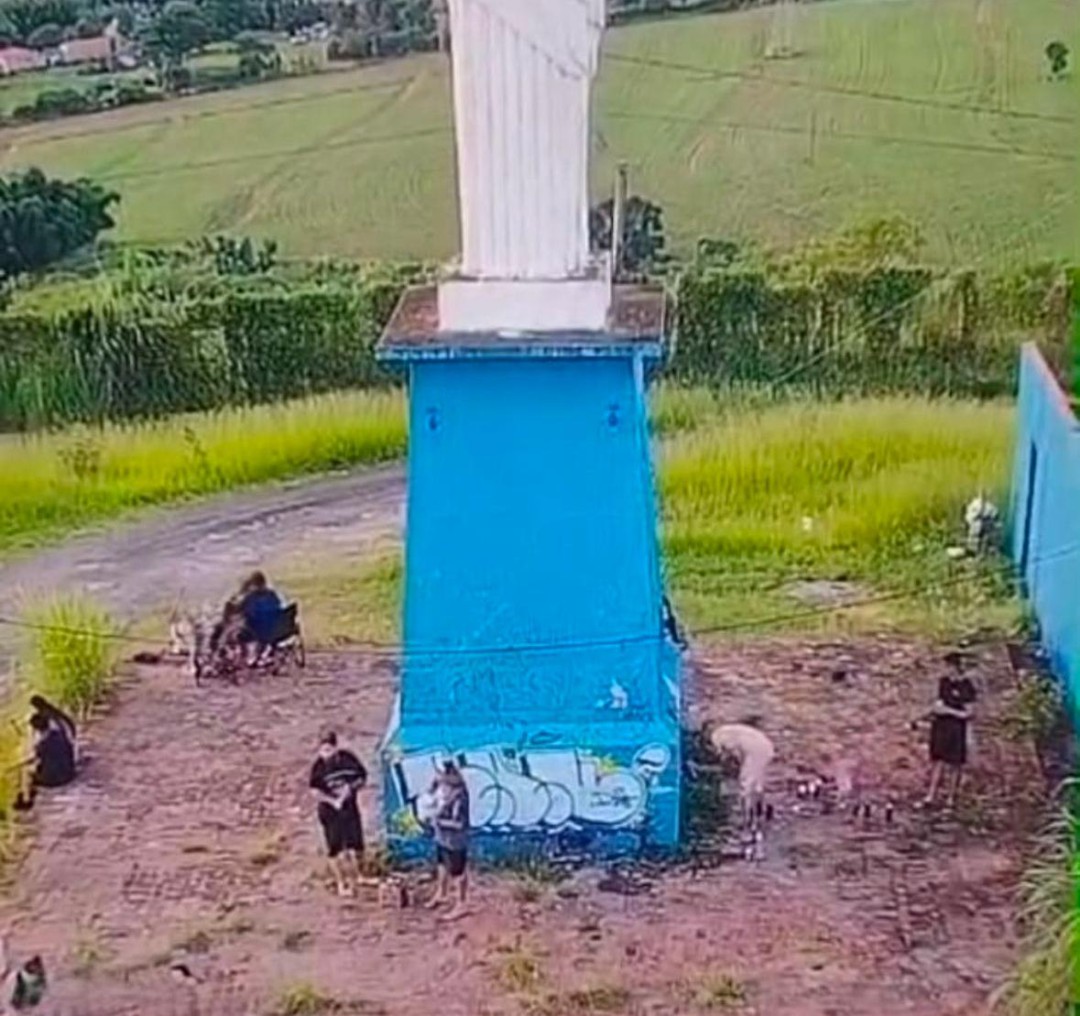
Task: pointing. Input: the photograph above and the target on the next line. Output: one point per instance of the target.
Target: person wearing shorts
(451, 827)
(336, 778)
(950, 727)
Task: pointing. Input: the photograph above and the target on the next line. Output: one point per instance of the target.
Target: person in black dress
(336, 778)
(949, 721)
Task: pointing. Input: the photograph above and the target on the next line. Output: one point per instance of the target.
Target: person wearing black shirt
(56, 717)
(52, 763)
(949, 721)
(336, 778)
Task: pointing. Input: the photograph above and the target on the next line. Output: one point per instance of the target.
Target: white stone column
(522, 81)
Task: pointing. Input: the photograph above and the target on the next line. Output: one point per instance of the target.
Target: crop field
(939, 110)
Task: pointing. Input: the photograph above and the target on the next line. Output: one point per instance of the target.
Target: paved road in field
(197, 552)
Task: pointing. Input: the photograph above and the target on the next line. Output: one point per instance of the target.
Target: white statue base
(526, 305)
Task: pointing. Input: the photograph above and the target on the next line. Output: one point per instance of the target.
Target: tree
(178, 31)
(1058, 55)
(45, 37)
(26, 15)
(43, 220)
(259, 58)
(644, 242)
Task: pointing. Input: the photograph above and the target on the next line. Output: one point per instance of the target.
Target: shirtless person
(754, 752)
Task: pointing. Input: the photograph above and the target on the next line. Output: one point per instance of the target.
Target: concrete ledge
(494, 305)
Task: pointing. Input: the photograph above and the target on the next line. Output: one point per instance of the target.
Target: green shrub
(71, 651)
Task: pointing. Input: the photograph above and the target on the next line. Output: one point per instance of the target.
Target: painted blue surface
(1045, 516)
(534, 651)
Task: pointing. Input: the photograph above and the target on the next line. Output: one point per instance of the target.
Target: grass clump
(1047, 980)
(305, 999)
(718, 993)
(68, 656)
(756, 495)
(518, 969)
(589, 1001)
(72, 651)
(53, 483)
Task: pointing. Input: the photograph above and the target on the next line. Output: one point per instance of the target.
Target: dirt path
(197, 551)
(200, 846)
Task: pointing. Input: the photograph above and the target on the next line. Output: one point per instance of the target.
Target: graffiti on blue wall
(530, 790)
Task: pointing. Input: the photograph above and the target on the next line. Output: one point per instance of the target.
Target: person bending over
(336, 778)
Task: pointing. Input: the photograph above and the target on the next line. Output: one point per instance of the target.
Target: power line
(895, 139)
(397, 650)
(910, 100)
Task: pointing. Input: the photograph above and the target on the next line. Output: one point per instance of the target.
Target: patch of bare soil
(191, 836)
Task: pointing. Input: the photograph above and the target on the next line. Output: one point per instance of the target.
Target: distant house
(17, 60)
(102, 50)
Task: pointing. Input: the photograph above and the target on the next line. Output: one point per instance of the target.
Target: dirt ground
(195, 553)
(191, 837)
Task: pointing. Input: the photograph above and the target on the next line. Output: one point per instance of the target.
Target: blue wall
(532, 523)
(1045, 515)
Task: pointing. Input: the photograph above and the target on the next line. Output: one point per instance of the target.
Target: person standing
(949, 727)
(337, 776)
(451, 828)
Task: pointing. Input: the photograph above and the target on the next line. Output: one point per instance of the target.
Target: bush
(138, 357)
(862, 330)
(72, 652)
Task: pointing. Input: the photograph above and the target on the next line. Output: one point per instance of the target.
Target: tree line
(46, 23)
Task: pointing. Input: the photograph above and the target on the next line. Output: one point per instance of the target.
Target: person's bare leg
(935, 782)
(458, 909)
(958, 776)
(442, 878)
(337, 866)
(352, 866)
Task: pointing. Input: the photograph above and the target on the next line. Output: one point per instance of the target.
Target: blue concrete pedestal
(535, 652)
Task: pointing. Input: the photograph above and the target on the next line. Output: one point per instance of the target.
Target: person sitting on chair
(52, 763)
(261, 608)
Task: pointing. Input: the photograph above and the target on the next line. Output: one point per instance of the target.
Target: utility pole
(618, 219)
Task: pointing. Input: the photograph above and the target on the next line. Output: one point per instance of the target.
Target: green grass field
(758, 496)
(51, 484)
(936, 109)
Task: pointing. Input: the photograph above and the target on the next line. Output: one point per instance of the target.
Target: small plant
(305, 1000)
(1035, 710)
(719, 993)
(268, 851)
(591, 1001)
(1057, 55)
(519, 969)
(81, 459)
(1047, 980)
(87, 955)
(599, 998)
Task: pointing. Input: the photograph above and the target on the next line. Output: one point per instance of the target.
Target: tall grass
(53, 483)
(69, 657)
(757, 493)
(870, 491)
(71, 651)
(1047, 982)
